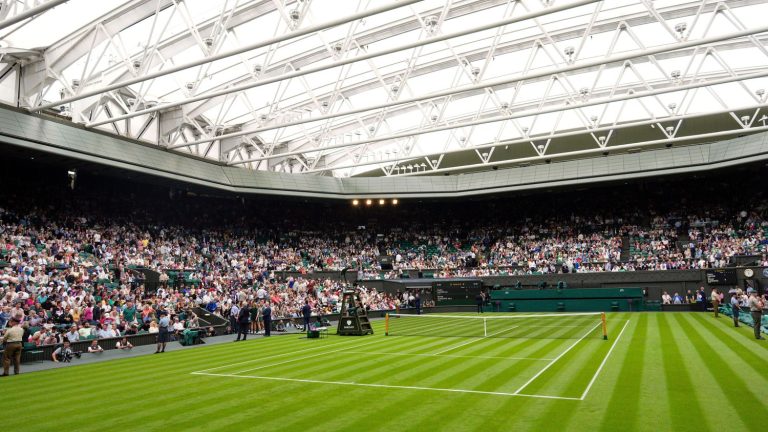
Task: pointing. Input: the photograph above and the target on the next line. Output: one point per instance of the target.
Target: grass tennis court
(667, 371)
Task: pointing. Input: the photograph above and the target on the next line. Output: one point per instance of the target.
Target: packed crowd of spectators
(69, 258)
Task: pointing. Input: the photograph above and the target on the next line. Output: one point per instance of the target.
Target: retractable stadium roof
(391, 88)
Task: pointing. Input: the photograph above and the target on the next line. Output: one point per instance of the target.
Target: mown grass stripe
(647, 384)
(746, 349)
(729, 375)
(680, 388)
(626, 396)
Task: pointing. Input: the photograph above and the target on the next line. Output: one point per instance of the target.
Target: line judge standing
(756, 306)
(12, 339)
(164, 334)
(243, 321)
(267, 316)
(306, 313)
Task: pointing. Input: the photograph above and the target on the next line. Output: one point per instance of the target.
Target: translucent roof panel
(350, 88)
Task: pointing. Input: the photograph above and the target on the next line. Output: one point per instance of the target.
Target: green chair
(31, 352)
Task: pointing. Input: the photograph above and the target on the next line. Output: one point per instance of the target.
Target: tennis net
(539, 326)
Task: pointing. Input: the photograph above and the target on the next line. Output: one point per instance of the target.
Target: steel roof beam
(230, 53)
(631, 20)
(573, 133)
(588, 152)
(559, 108)
(351, 91)
(29, 13)
(495, 82)
(380, 53)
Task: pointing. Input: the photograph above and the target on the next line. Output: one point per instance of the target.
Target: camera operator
(64, 353)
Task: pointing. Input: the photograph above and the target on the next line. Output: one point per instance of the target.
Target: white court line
(594, 378)
(274, 356)
(474, 340)
(448, 355)
(307, 357)
(389, 386)
(557, 358)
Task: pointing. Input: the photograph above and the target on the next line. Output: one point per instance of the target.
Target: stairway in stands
(208, 319)
(625, 249)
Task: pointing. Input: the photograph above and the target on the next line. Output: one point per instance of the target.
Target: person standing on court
(480, 300)
(163, 334)
(736, 308)
(12, 340)
(715, 299)
(243, 321)
(306, 313)
(234, 319)
(267, 316)
(417, 304)
(756, 306)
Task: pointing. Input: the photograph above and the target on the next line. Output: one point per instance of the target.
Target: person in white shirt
(94, 347)
(177, 327)
(666, 298)
(123, 344)
(72, 335)
(86, 330)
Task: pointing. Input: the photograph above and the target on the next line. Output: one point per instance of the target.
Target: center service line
(557, 358)
(474, 340)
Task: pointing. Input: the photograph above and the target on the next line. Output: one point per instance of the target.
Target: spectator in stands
(129, 312)
(95, 348)
(178, 326)
(665, 298)
(50, 337)
(690, 298)
(5, 316)
(677, 299)
(123, 344)
(72, 335)
(34, 319)
(104, 332)
(85, 330)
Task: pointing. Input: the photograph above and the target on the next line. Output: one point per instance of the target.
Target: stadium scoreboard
(721, 276)
(456, 292)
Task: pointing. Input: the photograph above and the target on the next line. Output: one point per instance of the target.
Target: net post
(386, 325)
(605, 327)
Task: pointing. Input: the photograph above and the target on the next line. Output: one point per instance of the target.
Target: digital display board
(721, 276)
(456, 292)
